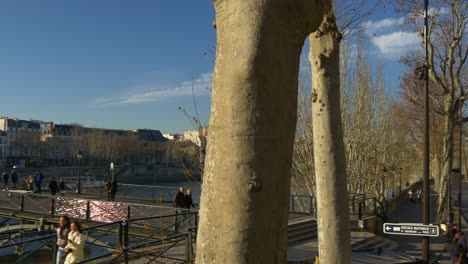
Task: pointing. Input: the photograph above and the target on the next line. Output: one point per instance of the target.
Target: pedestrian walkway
(411, 212)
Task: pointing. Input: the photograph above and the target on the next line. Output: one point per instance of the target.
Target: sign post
(411, 229)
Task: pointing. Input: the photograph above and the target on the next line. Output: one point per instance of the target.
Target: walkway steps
(301, 229)
(374, 242)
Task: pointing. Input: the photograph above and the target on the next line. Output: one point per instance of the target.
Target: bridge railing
(302, 204)
(147, 192)
(83, 209)
(124, 240)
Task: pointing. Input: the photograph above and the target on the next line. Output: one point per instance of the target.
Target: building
(150, 135)
(21, 139)
(3, 148)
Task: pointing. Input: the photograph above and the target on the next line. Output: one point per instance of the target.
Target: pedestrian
(53, 186)
(14, 179)
(62, 187)
(454, 248)
(111, 187)
(38, 181)
(189, 204)
(410, 196)
(75, 245)
(5, 177)
(418, 195)
(461, 248)
(179, 204)
(188, 199)
(62, 238)
(30, 183)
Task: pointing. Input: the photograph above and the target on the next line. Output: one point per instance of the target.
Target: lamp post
(79, 156)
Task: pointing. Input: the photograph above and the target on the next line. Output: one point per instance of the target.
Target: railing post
(52, 207)
(22, 203)
(352, 205)
(125, 241)
(375, 206)
(128, 212)
(292, 204)
(360, 210)
(88, 211)
(189, 248)
(120, 235)
(311, 205)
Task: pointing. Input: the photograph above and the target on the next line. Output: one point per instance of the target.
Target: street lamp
(79, 156)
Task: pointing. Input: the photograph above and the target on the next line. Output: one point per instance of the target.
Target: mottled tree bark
(244, 203)
(329, 152)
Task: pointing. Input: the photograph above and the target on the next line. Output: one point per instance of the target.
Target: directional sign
(411, 229)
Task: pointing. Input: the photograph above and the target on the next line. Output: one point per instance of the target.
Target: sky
(130, 64)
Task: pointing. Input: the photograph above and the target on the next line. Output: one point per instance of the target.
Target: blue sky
(125, 64)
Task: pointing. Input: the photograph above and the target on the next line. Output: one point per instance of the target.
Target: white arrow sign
(411, 229)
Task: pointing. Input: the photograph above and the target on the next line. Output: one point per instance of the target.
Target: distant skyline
(129, 64)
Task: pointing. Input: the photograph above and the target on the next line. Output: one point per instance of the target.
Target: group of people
(34, 183)
(458, 246)
(70, 242)
(6, 180)
(415, 195)
(182, 201)
(58, 186)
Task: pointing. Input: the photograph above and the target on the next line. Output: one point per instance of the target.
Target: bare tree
(448, 51)
(252, 125)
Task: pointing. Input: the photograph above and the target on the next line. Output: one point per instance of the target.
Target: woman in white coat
(76, 243)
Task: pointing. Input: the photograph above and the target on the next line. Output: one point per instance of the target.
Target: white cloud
(383, 24)
(201, 87)
(396, 44)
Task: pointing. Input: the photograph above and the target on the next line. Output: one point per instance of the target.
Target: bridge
(138, 228)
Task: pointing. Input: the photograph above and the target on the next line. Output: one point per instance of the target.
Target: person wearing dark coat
(6, 177)
(53, 186)
(188, 200)
(111, 187)
(63, 187)
(14, 179)
(179, 204)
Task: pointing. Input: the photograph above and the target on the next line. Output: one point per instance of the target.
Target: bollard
(128, 212)
(52, 207)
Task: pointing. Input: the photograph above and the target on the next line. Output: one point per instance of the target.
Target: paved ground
(411, 245)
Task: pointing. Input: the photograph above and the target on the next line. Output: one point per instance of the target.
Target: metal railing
(148, 239)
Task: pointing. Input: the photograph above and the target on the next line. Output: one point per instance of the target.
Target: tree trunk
(447, 162)
(244, 203)
(329, 152)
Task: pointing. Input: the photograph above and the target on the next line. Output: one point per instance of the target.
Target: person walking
(14, 179)
(38, 181)
(75, 245)
(189, 204)
(62, 187)
(62, 238)
(179, 204)
(6, 177)
(418, 195)
(410, 195)
(188, 199)
(111, 187)
(53, 186)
